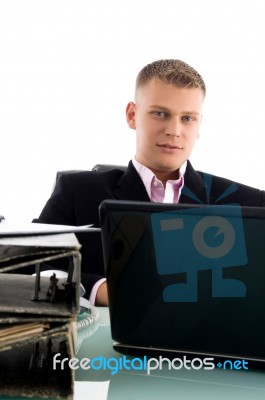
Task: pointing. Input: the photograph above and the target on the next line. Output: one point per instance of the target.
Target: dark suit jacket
(77, 196)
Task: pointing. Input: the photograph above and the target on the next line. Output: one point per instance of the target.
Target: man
(166, 116)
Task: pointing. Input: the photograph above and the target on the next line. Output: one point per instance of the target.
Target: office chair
(97, 167)
(108, 167)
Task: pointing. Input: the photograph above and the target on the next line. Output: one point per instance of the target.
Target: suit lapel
(194, 187)
(203, 188)
(130, 186)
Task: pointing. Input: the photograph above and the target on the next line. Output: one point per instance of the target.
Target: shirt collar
(148, 176)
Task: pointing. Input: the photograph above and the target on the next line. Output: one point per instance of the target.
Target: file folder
(37, 315)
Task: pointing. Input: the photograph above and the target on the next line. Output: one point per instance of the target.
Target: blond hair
(173, 72)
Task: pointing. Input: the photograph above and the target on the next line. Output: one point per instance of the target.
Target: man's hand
(102, 295)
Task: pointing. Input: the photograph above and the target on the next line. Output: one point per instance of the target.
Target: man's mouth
(170, 146)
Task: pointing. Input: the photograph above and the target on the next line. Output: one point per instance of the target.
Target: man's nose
(173, 128)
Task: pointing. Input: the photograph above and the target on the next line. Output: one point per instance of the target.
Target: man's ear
(130, 114)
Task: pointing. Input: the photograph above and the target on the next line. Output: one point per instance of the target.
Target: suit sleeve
(64, 207)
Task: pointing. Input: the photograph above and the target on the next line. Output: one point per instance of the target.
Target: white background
(67, 71)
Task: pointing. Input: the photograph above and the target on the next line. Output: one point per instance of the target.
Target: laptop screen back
(187, 278)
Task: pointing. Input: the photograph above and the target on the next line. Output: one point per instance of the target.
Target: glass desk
(166, 384)
(101, 384)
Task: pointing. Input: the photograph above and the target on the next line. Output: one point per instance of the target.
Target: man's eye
(160, 114)
(188, 118)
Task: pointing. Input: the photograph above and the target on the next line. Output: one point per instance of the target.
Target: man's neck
(165, 176)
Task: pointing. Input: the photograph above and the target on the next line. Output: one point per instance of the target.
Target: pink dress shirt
(155, 188)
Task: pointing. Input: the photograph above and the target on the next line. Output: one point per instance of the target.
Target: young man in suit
(166, 116)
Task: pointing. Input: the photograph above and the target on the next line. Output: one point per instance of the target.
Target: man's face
(167, 121)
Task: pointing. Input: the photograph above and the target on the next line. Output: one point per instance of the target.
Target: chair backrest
(108, 167)
(97, 167)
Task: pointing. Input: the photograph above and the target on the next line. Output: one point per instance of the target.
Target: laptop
(185, 279)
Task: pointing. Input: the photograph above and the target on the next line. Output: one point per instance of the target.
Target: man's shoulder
(224, 182)
(215, 189)
(206, 178)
